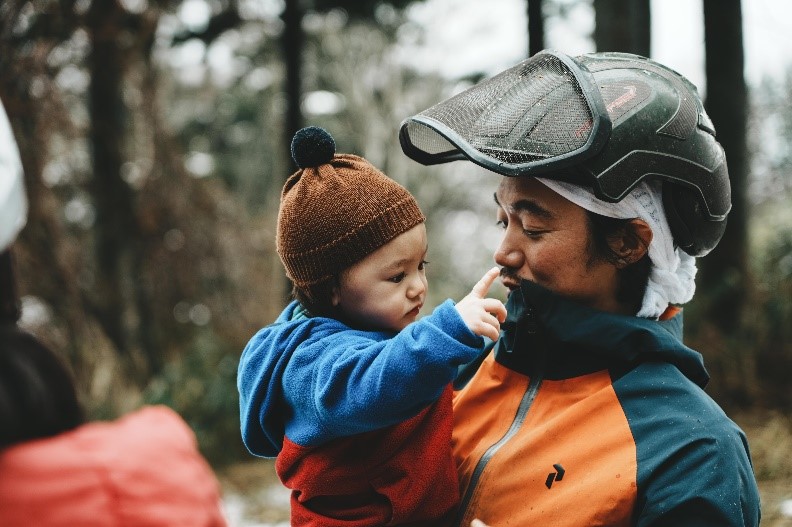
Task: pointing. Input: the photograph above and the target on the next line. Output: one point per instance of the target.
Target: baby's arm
(361, 384)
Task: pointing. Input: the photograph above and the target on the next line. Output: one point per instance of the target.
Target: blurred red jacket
(143, 470)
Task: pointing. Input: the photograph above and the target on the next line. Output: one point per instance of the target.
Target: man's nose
(508, 253)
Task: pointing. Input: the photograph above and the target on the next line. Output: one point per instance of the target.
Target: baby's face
(387, 288)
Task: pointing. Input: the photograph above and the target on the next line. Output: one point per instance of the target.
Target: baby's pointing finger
(482, 286)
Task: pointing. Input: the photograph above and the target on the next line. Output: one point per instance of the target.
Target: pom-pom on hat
(336, 209)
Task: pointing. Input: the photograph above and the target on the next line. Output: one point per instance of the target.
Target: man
(591, 410)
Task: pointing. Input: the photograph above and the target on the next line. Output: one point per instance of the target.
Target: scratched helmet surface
(603, 120)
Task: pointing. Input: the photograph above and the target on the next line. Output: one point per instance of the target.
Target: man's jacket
(585, 418)
(360, 421)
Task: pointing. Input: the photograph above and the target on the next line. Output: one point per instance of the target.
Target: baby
(347, 389)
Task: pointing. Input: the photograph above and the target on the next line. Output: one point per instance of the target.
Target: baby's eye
(422, 265)
(397, 278)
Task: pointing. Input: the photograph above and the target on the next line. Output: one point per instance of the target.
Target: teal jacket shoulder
(694, 465)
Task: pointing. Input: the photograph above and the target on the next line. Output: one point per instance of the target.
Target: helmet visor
(540, 115)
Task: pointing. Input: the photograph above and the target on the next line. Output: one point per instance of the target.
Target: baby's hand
(483, 316)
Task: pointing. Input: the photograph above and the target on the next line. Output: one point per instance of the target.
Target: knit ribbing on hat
(333, 215)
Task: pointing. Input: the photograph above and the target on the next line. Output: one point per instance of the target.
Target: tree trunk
(623, 25)
(536, 37)
(115, 221)
(724, 273)
(292, 42)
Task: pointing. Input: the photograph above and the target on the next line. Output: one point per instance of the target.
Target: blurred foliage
(204, 160)
(201, 385)
(202, 163)
(750, 364)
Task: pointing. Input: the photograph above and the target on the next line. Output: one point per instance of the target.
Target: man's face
(546, 240)
(387, 288)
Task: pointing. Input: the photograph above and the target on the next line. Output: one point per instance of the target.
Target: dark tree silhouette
(115, 217)
(536, 34)
(292, 45)
(724, 272)
(623, 25)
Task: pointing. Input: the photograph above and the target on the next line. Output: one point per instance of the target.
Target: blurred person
(56, 469)
(591, 410)
(348, 389)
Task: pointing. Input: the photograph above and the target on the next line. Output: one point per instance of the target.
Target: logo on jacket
(558, 475)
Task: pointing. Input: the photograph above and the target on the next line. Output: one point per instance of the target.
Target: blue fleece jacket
(315, 379)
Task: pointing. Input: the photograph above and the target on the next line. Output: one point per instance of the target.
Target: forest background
(154, 138)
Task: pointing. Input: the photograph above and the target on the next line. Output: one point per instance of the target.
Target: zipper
(530, 326)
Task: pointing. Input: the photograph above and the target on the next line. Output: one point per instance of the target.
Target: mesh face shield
(603, 120)
(540, 115)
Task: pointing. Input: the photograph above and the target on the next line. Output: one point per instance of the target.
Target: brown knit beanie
(336, 209)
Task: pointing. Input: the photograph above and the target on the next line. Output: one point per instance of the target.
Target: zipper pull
(529, 321)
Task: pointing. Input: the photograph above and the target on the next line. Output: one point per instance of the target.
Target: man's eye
(532, 234)
(422, 265)
(396, 278)
(502, 224)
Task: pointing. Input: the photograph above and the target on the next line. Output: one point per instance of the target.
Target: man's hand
(482, 315)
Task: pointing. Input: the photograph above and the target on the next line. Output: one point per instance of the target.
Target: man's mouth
(510, 284)
(509, 280)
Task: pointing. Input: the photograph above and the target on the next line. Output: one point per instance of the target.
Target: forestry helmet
(602, 120)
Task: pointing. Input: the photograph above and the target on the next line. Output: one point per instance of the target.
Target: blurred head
(334, 212)
(13, 202)
(597, 261)
(387, 288)
(13, 215)
(37, 394)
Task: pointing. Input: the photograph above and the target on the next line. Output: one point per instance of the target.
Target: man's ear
(632, 243)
